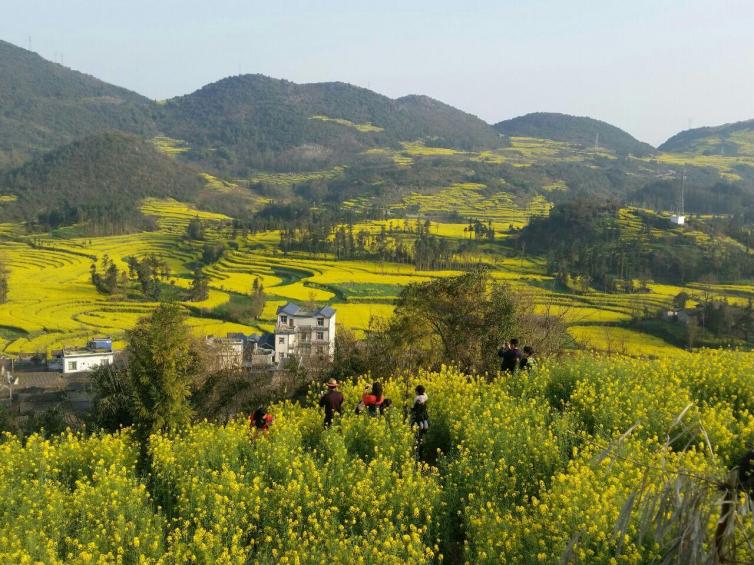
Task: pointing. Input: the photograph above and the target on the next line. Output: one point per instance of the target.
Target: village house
(304, 333)
(98, 352)
(226, 352)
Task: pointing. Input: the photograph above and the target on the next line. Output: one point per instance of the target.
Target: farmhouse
(98, 352)
(226, 352)
(304, 333)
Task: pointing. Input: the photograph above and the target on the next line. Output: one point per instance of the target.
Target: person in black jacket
(331, 401)
(510, 355)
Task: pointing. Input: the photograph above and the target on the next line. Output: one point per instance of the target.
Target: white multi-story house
(98, 352)
(304, 333)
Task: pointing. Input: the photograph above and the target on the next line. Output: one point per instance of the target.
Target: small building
(98, 352)
(678, 219)
(304, 333)
(226, 352)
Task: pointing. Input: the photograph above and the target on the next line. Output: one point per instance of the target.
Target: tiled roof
(292, 309)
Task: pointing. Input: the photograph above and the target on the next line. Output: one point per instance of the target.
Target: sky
(651, 67)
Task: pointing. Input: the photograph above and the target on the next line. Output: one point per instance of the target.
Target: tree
(680, 299)
(195, 229)
(199, 286)
(4, 275)
(459, 320)
(113, 404)
(258, 298)
(163, 361)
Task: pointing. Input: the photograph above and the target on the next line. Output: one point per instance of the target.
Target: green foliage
(98, 181)
(260, 122)
(573, 129)
(162, 363)
(195, 229)
(45, 105)
(199, 286)
(4, 275)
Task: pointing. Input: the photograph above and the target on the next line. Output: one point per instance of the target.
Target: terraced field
(62, 307)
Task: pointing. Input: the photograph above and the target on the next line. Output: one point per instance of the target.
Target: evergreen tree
(162, 363)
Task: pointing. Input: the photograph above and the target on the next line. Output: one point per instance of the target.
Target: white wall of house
(78, 362)
(304, 333)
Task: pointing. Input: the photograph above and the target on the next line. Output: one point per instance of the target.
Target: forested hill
(728, 139)
(250, 121)
(574, 129)
(44, 105)
(98, 181)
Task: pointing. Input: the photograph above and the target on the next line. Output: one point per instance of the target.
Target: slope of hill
(44, 105)
(249, 121)
(728, 139)
(99, 180)
(574, 129)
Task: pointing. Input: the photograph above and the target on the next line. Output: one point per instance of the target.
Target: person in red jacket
(373, 399)
(261, 419)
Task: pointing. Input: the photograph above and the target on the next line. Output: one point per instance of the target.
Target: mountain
(44, 105)
(574, 129)
(99, 180)
(728, 139)
(253, 121)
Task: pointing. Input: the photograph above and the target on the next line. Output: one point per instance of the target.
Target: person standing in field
(331, 401)
(510, 355)
(527, 359)
(419, 412)
(373, 399)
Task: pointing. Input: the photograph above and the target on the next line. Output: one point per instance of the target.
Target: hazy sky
(648, 66)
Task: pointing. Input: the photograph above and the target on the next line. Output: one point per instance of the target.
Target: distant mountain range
(71, 144)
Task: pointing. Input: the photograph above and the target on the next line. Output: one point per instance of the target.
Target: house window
(320, 349)
(281, 340)
(283, 319)
(320, 335)
(304, 337)
(73, 366)
(320, 321)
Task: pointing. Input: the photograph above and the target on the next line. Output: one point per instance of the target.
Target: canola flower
(537, 467)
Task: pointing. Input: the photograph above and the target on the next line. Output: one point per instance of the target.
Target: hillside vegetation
(574, 129)
(597, 460)
(255, 121)
(44, 105)
(728, 139)
(97, 181)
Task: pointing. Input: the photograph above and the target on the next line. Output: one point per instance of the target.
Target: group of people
(373, 402)
(513, 359)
